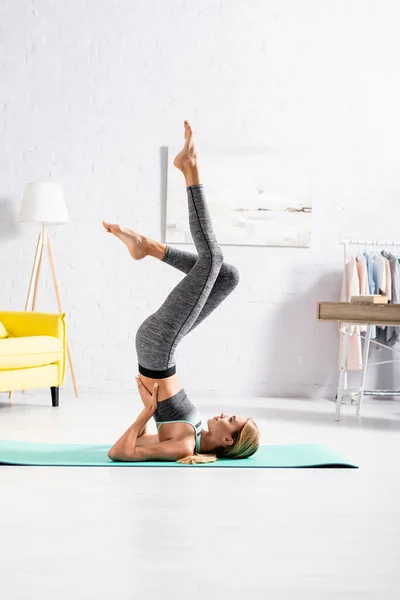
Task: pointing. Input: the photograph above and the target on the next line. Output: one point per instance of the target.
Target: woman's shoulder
(180, 448)
(185, 439)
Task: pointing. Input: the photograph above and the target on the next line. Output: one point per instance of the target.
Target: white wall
(90, 92)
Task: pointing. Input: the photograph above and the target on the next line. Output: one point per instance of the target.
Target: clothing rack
(348, 243)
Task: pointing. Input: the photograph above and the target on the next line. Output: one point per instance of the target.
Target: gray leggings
(207, 283)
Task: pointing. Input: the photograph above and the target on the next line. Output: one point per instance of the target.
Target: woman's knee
(232, 275)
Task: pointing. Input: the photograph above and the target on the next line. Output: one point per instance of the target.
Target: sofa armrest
(21, 323)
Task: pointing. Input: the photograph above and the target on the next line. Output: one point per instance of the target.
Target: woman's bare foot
(135, 242)
(187, 157)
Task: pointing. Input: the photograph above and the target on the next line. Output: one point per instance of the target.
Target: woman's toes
(188, 129)
(112, 227)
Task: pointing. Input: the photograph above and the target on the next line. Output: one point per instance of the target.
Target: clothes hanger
(359, 253)
(396, 255)
(352, 251)
(394, 252)
(373, 251)
(388, 250)
(348, 251)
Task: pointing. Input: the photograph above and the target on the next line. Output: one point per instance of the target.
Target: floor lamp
(44, 203)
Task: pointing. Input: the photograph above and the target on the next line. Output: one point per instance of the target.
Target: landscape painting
(255, 197)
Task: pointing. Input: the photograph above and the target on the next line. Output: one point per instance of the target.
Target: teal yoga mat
(85, 455)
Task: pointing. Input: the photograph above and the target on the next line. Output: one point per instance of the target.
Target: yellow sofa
(33, 350)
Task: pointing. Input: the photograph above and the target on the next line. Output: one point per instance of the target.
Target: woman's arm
(166, 451)
(127, 441)
(142, 391)
(147, 439)
(130, 449)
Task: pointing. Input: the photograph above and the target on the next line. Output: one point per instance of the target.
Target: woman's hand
(149, 399)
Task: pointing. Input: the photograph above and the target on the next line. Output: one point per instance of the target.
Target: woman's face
(223, 427)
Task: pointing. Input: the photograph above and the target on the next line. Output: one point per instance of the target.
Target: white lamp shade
(43, 203)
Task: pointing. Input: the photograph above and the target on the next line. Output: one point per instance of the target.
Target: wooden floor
(119, 534)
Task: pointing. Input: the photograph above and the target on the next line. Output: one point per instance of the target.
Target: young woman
(207, 282)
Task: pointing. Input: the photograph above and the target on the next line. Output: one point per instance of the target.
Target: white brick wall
(90, 92)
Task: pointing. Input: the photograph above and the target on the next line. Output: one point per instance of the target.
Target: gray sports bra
(179, 409)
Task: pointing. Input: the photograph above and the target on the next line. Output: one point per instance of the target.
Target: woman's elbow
(111, 454)
(122, 455)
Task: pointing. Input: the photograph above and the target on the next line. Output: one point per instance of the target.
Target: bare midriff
(166, 387)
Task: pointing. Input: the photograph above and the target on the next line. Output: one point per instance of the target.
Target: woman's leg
(159, 335)
(140, 246)
(227, 280)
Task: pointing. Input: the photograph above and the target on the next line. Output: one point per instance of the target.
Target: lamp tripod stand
(44, 242)
(43, 202)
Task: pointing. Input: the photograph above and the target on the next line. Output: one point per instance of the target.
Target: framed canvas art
(255, 197)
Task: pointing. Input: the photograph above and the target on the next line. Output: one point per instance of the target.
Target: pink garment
(350, 287)
(362, 275)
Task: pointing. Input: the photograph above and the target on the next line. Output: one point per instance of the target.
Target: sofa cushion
(32, 351)
(3, 331)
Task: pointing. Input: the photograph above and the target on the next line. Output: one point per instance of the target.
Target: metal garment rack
(367, 339)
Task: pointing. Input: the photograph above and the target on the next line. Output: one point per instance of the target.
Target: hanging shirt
(363, 279)
(350, 287)
(370, 271)
(379, 273)
(388, 291)
(384, 281)
(371, 285)
(362, 274)
(391, 335)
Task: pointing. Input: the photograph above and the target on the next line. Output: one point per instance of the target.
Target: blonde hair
(245, 442)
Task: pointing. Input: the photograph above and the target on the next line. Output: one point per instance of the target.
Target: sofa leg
(55, 395)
